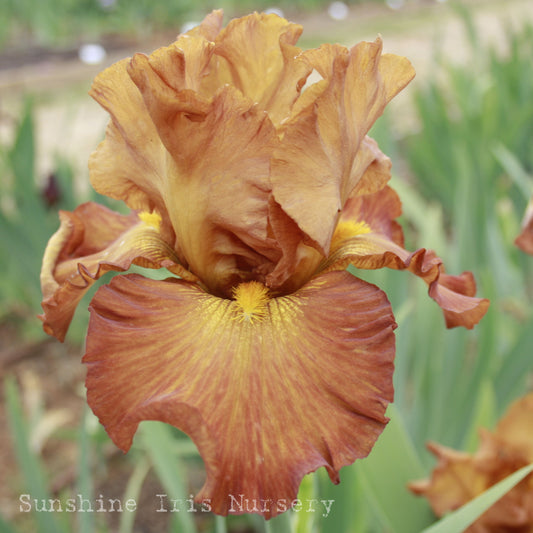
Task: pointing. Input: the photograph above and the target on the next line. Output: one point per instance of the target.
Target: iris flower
(459, 477)
(250, 177)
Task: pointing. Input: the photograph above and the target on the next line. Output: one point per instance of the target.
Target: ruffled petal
(525, 240)
(325, 149)
(218, 195)
(264, 63)
(131, 163)
(456, 480)
(368, 237)
(91, 241)
(269, 390)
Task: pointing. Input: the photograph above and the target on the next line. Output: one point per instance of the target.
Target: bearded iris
(256, 187)
(460, 477)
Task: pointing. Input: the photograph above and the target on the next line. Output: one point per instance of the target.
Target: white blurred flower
(91, 54)
(338, 10)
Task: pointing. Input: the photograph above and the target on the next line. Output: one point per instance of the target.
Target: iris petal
(383, 247)
(265, 64)
(91, 241)
(459, 477)
(324, 148)
(303, 385)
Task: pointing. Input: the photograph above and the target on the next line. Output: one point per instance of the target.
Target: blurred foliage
(59, 22)
(28, 217)
(468, 177)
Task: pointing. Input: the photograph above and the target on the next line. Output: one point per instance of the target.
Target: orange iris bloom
(459, 477)
(256, 187)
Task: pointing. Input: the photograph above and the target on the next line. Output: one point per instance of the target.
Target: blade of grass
(32, 470)
(220, 524)
(280, 524)
(85, 483)
(459, 520)
(159, 443)
(386, 472)
(132, 492)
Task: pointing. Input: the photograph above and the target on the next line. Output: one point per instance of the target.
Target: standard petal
(218, 188)
(264, 63)
(130, 164)
(269, 390)
(380, 244)
(324, 147)
(91, 241)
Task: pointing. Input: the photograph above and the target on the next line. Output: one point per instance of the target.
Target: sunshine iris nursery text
(164, 504)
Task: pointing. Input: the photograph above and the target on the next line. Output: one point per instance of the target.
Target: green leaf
(159, 442)
(133, 490)
(386, 472)
(85, 521)
(459, 520)
(32, 471)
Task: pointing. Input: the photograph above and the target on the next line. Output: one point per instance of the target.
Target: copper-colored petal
(455, 480)
(525, 240)
(218, 191)
(209, 27)
(379, 210)
(459, 477)
(299, 259)
(264, 63)
(381, 246)
(91, 241)
(324, 148)
(131, 163)
(269, 391)
(514, 431)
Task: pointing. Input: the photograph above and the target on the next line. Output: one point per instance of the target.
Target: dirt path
(70, 124)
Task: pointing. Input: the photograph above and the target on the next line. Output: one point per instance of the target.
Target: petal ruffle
(130, 164)
(91, 241)
(264, 63)
(382, 246)
(222, 164)
(325, 149)
(266, 401)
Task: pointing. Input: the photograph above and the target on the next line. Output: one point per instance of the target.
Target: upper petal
(263, 61)
(381, 245)
(324, 147)
(91, 241)
(266, 400)
(131, 163)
